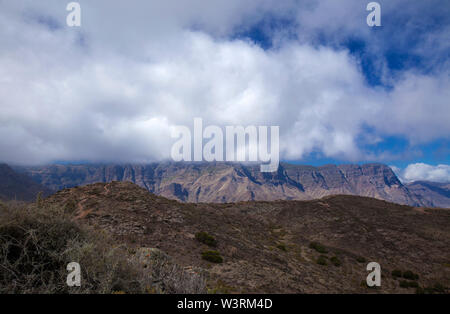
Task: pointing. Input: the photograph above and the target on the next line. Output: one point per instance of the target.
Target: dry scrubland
(37, 242)
(130, 241)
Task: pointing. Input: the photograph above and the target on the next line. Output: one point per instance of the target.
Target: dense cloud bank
(111, 89)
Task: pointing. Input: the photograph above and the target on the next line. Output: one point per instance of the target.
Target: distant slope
(266, 245)
(18, 186)
(431, 194)
(227, 182)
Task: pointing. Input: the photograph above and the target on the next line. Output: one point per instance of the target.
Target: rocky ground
(267, 247)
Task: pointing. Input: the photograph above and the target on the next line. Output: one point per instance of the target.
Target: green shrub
(212, 256)
(409, 284)
(205, 238)
(318, 247)
(39, 200)
(282, 247)
(322, 260)
(437, 288)
(396, 273)
(404, 284)
(414, 284)
(410, 275)
(360, 259)
(221, 288)
(335, 261)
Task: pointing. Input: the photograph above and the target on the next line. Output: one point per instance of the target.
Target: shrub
(396, 273)
(70, 206)
(437, 288)
(37, 243)
(335, 261)
(168, 276)
(282, 247)
(318, 247)
(409, 284)
(410, 275)
(414, 284)
(205, 238)
(360, 259)
(212, 256)
(39, 200)
(404, 284)
(322, 260)
(221, 288)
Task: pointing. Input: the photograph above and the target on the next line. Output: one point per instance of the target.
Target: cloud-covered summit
(111, 89)
(423, 172)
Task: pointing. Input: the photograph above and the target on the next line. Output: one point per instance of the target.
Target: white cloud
(417, 108)
(111, 90)
(423, 172)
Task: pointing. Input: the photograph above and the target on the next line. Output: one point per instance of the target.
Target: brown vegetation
(274, 246)
(37, 242)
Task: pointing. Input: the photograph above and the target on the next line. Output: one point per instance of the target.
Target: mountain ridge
(434, 194)
(222, 182)
(18, 186)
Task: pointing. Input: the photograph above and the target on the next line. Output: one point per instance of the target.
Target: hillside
(17, 186)
(267, 247)
(225, 182)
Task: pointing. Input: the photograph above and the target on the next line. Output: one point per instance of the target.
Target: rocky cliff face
(18, 186)
(431, 194)
(226, 182)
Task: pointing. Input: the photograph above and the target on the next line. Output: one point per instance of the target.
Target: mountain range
(19, 186)
(233, 182)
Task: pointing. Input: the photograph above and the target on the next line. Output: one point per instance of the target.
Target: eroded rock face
(225, 182)
(18, 186)
(431, 194)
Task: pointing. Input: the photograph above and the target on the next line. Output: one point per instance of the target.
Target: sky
(341, 91)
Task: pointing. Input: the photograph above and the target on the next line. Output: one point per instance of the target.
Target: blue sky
(391, 58)
(341, 92)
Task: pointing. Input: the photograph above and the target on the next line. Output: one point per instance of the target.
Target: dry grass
(37, 243)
